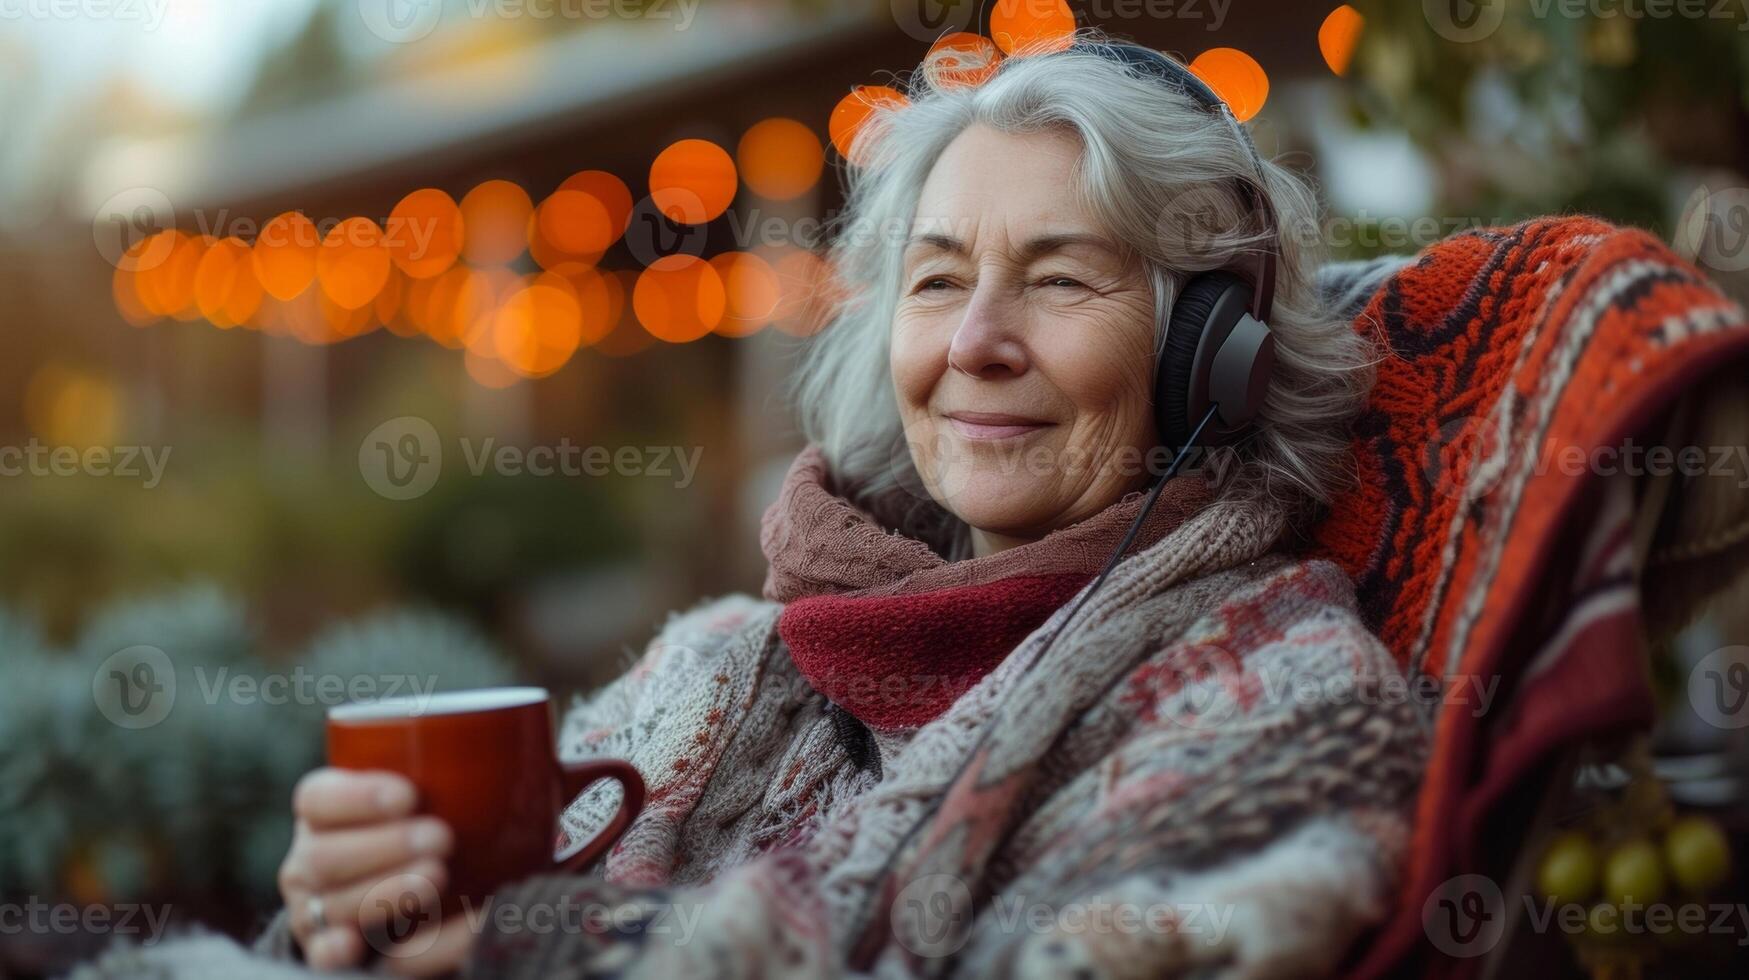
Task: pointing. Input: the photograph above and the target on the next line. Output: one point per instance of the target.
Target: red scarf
(891, 632)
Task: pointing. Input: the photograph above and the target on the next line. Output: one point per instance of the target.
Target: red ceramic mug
(485, 762)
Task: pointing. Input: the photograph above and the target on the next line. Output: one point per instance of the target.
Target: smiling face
(1022, 346)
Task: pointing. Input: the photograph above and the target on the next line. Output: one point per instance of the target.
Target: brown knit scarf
(817, 543)
(891, 632)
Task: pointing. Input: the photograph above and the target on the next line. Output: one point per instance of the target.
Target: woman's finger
(427, 955)
(331, 797)
(402, 898)
(341, 857)
(332, 949)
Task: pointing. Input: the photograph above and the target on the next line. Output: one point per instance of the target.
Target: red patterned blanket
(1483, 548)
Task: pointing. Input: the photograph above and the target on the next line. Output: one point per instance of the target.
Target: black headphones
(1217, 352)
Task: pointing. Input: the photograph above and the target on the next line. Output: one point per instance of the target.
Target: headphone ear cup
(1186, 324)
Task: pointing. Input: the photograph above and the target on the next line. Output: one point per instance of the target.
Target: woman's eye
(1068, 282)
(933, 284)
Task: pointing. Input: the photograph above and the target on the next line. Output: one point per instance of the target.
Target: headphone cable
(1111, 563)
(1135, 527)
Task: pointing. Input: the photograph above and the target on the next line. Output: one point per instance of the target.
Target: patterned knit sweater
(1214, 768)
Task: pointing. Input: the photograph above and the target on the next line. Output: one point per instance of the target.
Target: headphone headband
(1147, 61)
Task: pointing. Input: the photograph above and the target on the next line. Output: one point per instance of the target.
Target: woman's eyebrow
(1031, 250)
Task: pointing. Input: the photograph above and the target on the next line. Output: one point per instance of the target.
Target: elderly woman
(931, 747)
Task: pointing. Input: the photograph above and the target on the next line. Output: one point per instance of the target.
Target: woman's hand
(357, 836)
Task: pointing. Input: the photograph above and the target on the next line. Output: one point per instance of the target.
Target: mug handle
(576, 777)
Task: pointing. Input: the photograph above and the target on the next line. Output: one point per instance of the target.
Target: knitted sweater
(1212, 769)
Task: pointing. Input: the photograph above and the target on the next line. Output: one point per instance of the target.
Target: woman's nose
(986, 343)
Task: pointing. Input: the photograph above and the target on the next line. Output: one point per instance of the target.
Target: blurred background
(447, 339)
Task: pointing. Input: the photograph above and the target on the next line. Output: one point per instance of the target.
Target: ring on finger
(316, 913)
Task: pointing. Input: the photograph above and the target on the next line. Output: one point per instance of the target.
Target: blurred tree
(1526, 110)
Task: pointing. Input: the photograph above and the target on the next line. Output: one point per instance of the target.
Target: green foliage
(1547, 112)
(199, 621)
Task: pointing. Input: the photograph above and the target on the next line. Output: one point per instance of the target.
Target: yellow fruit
(1698, 854)
(1634, 873)
(1569, 869)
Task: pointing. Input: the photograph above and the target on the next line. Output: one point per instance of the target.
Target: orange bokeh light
(162, 245)
(853, 111)
(495, 222)
(553, 260)
(600, 303)
(433, 311)
(679, 298)
(1338, 35)
(343, 322)
(475, 304)
(353, 263)
(285, 255)
(961, 58)
(780, 159)
(225, 289)
(424, 233)
(149, 252)
(539, 327)
(751, 291)
(388, 306)
(610, 191)
(173, 282)
(575, 223)
(1023, 27)
(1236, 77)
(124, 287)
(692, 181)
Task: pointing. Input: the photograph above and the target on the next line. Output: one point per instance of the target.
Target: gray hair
(1158, 171)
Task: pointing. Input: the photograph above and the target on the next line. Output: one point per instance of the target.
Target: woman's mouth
(993, 426)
